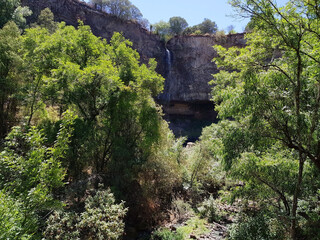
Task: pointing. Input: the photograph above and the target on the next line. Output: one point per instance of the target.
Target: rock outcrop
(191, 66)
(189, 69)
(103, 25)
(185, 61)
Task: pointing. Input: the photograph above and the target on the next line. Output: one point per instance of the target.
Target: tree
(101, 219)
(46, 20)
(272, 85)
(11, 73)
(230, 29)
(99, 4)
(162, 28)
(123, 9)
(177, 25)
(11, 10)
(208, 26)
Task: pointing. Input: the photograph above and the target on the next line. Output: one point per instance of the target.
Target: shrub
(181, 208)
(101, 219)
(195, 226)
(258, 227)
(208, 209)
(13, 224)
(166, 234)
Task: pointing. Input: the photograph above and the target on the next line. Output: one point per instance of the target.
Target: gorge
(184, 61)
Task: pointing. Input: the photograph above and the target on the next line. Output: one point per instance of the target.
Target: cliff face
(189, 69)
(191, 66)
(104, 25)
(185, 61)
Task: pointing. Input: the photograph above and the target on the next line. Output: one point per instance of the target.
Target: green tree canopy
(123, 9)
(11, 75)
(208, 26)
(11, 10)
(177, 25)
(271, 87)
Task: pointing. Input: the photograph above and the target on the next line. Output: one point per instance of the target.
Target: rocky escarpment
(189, 69)
(185, 61)
(191, 66)
(103, 25)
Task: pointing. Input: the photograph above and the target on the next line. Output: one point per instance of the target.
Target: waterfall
(168, 64)
(168, 59)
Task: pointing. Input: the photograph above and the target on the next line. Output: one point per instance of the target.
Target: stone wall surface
(103, 25)
(191, 66)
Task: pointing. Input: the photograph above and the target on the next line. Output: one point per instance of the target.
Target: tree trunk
(293, 230)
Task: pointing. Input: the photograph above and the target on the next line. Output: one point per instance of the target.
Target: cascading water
(168, 63)
(168, 60)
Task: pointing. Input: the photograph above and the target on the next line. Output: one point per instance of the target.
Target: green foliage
(46, 20)
(30, 172)
(177, 25)
(193, 226)
(12, 219)
(163, 29)
(105, 85)
(256, 227)
(11, 72)
(159, 177)
(204, 171)
(182, 209)
(11, 10)
(221, 36)
(209, 209)
(123, 9)
(101, 219)
(166, 234)
(274, 97)
(271, 88)
(119, 133)
(206, 27)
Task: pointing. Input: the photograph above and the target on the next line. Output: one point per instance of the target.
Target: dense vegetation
(179, 26)
(85, 153)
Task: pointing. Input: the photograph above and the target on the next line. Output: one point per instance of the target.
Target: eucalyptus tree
(123, 9)
(271, 87)
(208, 26)
(177, 25)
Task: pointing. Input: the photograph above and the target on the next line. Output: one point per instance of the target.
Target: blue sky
(194, 11)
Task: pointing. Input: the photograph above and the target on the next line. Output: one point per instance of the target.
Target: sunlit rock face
(191, 66)
(189, 69)
(185, 61)
(103, 25)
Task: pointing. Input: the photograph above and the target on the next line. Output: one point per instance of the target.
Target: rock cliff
(185, 61)
(103, 25)
(191, 67)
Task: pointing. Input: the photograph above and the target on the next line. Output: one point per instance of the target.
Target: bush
(258, 227)
(102, 219)
(13, 224)
(193, 226)
(208, 209)
(166, 234)
(181, 208)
